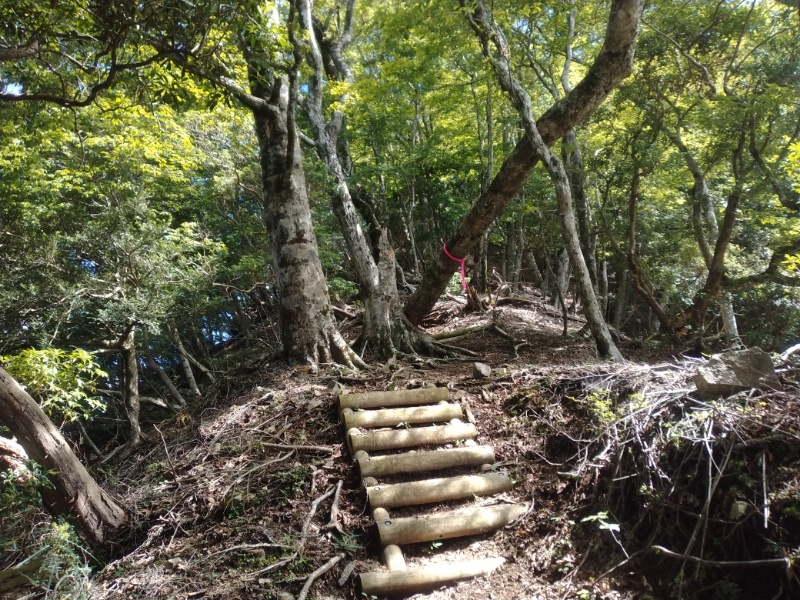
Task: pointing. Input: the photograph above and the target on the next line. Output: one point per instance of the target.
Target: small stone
(481, 370)
(336, 388)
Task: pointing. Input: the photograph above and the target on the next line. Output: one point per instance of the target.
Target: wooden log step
(406, 438)
(437, 490)
(422, 462)
(390, 417)
(395, 398)
(384, 583)
(451, 524)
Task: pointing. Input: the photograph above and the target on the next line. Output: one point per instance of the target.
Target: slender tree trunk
(573, 163)
(95, 514)
(561, 275)
(130, 370)
(519, 251)
(613, 64)
(530, 264)
(184, 358)
(637, 276)
(386, 329)
(496, 50)
(703, 214)
(151, 363)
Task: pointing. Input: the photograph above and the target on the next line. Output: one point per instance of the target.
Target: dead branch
(446, 335)
(333, 523)
(763, 562)
(321, 571)
(299, 448)
(309, 518)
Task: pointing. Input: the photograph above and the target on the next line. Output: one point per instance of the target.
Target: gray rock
(481, 370)
(731, 372)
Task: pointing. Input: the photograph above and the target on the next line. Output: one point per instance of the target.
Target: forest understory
(639, 488)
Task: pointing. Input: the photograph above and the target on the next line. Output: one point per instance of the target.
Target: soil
(223, 495)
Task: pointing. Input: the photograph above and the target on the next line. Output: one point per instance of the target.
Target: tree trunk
(184, 358)
(530, 265)
(386, 329)
(151, 363)
(496, 50)
(613, 64)
(573, 163)
(637, 276)
(96, 516)
(703, 214)
(307, 328)
(561, 276)
(130, 370)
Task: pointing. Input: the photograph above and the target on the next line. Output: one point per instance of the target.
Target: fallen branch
(333, 523)
(763, 562)
(314, 507)
(321, 571)
(299, 448)
(445, 335)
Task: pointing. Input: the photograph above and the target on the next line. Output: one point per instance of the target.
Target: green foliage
(19, 492)
(64, 383)
(293, 481)
(349, 543)
(65, 570)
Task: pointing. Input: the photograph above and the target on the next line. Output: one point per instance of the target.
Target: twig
(333, 523)
(298, 448)
(313, 577)
(242, 547)
(169, 458)
(763, 562)
(314, 507)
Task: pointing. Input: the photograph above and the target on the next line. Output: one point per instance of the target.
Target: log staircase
(402, 420)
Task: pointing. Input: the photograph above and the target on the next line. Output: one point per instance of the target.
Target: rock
(481, 370)
(335, 388)
(731, 372)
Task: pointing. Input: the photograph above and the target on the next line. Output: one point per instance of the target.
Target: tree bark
(130, 375)
(96, 516)
(386, 329)
(307, 327)
(613, 64)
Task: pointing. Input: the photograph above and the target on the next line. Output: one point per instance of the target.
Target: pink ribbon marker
(458, 260)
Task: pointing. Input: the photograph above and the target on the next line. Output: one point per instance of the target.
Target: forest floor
(234, 498)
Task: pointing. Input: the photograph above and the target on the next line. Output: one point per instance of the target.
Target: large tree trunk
(307, 327)
(96, 516)
(613, 64)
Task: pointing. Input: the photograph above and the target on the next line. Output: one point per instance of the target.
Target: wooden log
(389, 417)
(393, 558)
(422, 462)
(396, 398)
(406, 438)
(386, 583)
(429, 491)
(427, 528)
